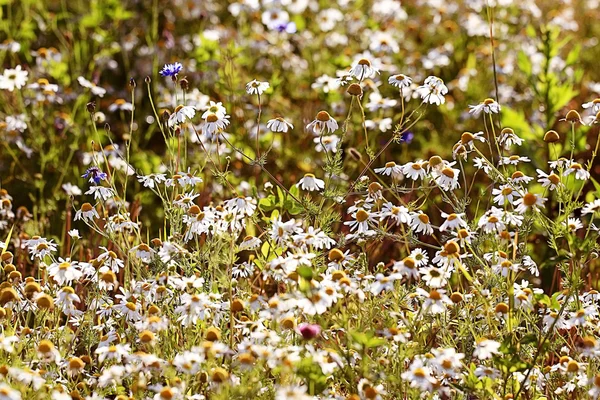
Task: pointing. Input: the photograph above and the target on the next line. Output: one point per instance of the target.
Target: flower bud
(355, 90)
(551, 137)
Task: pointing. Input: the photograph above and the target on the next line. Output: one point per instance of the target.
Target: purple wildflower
(407, 137)
(95, 175)
(287, 27)
(171, 69)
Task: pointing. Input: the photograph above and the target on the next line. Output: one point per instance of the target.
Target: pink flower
(309, 331)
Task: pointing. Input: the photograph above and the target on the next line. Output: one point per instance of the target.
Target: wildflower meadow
(299, 199)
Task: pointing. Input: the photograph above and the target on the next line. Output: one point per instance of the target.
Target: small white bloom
(433, 91)
(311, 183)
(96, 90)
(279, 125)
(181, 114)
(256, 87)
(486, 348)
(488, 106)
(323, 122)
(594, 105)
(362, 69)
(400, 81)
(13, 79)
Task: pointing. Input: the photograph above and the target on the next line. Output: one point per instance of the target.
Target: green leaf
(305, 272)
(7, 239)
(516, 120)
(596, 185)
(573, 55)
(524, 63)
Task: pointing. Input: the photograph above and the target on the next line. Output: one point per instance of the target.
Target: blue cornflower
(95, 175)
(407, 137)
(171, 69)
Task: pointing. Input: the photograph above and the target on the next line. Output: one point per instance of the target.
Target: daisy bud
(15, 277)
(551, 137)
(7, 257)
(32, 287)
(237, 305)
(132, 83)
(337, 275)
(91, 107)
(165, 115)
(466, 137)
(213, 334)
(573, 116)
(219, 375)
(354, 153)
(456, 297)
(336, 255)
(355, 90)
(374, 187)
(7, 295)
(459, 149)
(246, 359)
(44, 302)
(147, 80)
(507, 131)
(146, 336)
(434, 161)
(323, 116)
(153, 310)
(184, 84)
(501, 308)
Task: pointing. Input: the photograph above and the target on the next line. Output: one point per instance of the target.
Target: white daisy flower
(420, 223)
(311, 183)
(486, 349)
(215, 108)
(12, 79)
(594, 105)
(398, 215)
(573, 224)
(181, 114)
(279, 125)
(390, 168)
(591, 207)
(453, 221)
(328, 143)
(120, 105)
(214, 124)
(256, 87)
(488, 106)
(529, 201)
(400, 81)
(414, 170)
(362, 69)
(550, 181)
(96, 90)
(580, 172)
(323, 122)
(87, 213)
(433, 91)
